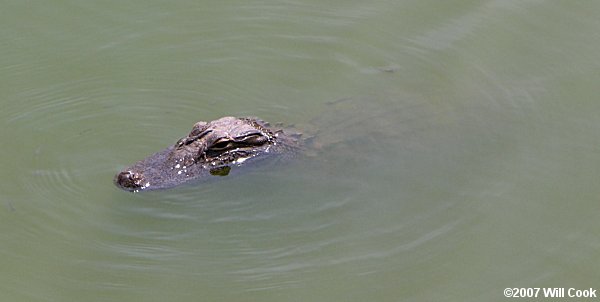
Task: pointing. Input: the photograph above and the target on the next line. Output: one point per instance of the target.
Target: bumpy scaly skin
(211, 148)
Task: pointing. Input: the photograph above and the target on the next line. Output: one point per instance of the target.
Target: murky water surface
(456, 149)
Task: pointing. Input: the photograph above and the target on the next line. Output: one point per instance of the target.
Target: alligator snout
(130, 180)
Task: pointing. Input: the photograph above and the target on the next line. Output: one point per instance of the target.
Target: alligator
(210, 149)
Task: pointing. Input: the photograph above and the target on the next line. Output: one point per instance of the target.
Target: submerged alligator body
(211, 148)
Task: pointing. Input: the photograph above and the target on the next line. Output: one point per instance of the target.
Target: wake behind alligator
(210, 149)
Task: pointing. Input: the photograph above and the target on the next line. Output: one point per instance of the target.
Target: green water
(458, 149)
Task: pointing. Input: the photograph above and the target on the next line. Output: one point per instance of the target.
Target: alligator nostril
(129, 179)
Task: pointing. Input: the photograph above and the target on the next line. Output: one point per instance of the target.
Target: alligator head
(211, 148)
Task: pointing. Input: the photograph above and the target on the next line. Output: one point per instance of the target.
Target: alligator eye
(221, 145)
(254, 139)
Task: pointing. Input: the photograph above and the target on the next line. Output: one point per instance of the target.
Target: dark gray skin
(210, 149)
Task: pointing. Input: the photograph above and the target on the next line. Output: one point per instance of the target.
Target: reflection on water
(451, 150)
